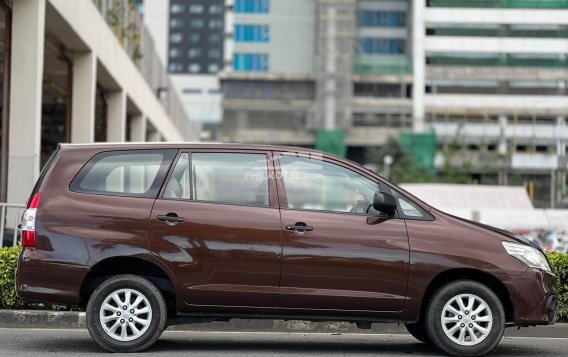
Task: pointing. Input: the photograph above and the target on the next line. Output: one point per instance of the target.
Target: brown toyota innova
(148, 235)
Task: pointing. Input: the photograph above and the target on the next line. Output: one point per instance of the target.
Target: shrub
(559, 263)
(8, 262)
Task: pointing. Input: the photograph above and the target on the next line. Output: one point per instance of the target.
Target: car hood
(502, 232)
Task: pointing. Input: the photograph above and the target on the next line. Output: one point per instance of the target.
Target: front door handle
(299, 227)
(171, 218)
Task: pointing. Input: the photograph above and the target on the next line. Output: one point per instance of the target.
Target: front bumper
(534, 298)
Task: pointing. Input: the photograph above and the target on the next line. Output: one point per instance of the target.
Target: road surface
(37, 342)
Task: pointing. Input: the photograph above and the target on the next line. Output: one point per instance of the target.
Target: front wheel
(465, 318)
(126, 313)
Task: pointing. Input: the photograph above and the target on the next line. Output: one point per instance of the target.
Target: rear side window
(137, 173)
(230, 178)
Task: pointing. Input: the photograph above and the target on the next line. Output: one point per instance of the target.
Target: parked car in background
(556, 241)
(147, 235)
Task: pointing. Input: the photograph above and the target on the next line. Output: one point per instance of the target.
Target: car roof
(189, 145)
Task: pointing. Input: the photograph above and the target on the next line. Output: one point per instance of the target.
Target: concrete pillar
(419, 64)
(116, 116)
(28, 36)
(84, 96)
(502, 148)
(154, 136)
(138, 128)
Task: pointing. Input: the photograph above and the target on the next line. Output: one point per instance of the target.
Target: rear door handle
(170, 218)
(299, 227)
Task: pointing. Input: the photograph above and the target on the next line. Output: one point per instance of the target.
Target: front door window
(318, 185)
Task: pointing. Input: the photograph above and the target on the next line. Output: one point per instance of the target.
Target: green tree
(404, 168)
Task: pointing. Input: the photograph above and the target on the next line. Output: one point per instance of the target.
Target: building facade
(495, 79)
(489, 77)
(195, 55)
(317, 66)
(72, 73)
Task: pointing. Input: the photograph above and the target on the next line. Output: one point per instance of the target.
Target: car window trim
(283, 197)
(154, 189)
(272, 195)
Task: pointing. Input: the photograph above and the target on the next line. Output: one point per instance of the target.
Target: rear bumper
(534, 298)
(48, 282)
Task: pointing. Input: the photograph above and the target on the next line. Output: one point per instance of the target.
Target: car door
(217, 226)
(336, 255)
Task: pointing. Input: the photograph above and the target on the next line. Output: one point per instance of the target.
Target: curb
(76, 320)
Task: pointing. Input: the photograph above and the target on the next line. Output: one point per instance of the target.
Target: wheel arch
(118, 265)
(479, 276)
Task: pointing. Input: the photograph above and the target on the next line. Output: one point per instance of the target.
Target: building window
(196, 9)
(176, 37)
(213, 68)
(214, 53)
(250, 62)
(197, 23)
(215, 9)
(252, 33)
(214, 38)
(176, 23)
(194, 38)
(193, 52)
(215, 24)
(194, 67)
(177, 8)
(382, 46)
(192, 91)
(373, 18)
(175, 67)
(175, 52)
(252, 6)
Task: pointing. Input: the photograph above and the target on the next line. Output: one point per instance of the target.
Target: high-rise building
(489, 77)
(195, 55)
(493, 76)
(301, 67)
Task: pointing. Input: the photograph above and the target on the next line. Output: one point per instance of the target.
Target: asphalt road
(34, 342)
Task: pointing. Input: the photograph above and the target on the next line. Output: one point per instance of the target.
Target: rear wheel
(465, 318)
(126, 313)
(418, 331)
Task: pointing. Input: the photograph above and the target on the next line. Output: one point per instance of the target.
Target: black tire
(434, 316)
(157, 318)
(418, 331)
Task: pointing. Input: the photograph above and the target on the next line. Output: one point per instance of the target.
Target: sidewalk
(76, 320)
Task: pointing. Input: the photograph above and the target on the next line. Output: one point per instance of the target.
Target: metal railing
(10, 221)
(382, 65)
(499, 61)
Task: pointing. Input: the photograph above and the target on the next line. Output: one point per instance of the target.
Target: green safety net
(422, 148)
(331, 141)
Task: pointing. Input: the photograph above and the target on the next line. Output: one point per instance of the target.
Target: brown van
(148, 235)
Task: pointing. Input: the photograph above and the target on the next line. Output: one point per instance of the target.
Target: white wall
(204, 106)
(157, 17)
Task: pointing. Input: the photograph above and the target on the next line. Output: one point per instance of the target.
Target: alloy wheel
(125, 314)
(466, 319)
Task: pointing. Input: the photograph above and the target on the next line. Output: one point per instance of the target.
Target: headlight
(528, 255)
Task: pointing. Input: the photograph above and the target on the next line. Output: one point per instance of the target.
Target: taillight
(28, 222)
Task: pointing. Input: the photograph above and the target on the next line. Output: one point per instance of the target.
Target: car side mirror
(384, 202)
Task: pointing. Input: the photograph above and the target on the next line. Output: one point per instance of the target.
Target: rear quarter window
(135, 173)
